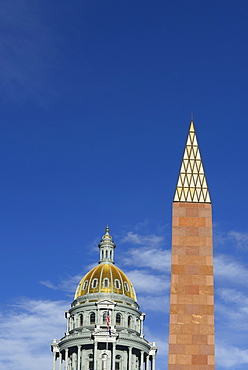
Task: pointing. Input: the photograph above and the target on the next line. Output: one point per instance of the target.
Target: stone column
(153, 362)
(141, 360)
(129, 358)
(113, 356)
(83, 360)
(79, 358)
(67, 315)
(60, 361)
(66, 358)
(54, 360)
(141, 324)
(95, 355)
(147, 362)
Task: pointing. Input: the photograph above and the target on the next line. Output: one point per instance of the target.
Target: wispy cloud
(154, 303)
(143, 281)
(66, 284)
(230, 357)
(156, 259)
(240, 239)
(151, 240)
(227, 267)
(27, 328)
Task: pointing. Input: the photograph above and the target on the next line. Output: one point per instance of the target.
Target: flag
(108, 323)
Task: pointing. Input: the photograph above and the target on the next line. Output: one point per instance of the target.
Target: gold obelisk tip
(192, 184)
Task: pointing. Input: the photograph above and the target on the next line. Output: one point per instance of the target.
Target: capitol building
(104, 324)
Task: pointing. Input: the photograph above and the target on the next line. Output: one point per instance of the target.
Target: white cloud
(156, 259)
(230, 357)
(144, 282)
(67, 284)
(151, 240)
(240, 239)
(27, 329)
(154, 303)
(226, 267)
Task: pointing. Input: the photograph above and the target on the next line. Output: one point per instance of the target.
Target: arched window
(104, 361)
(92, 318)
(129, 321)
(81, 320)
(91, 363)
(117, 284)
(105, 283)
(118, 319)
(104, 317)
(111, 255)
(126, 286)
(106, 254)
(117, 362)
(94, 283)
(102, 254)
(85, 284)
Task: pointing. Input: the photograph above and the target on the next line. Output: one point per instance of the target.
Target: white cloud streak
(231, 357)
(240, 239)
(156, 259)
(27, 328)
(68, 284)
(151, 240)
(226, 267)
(144, 282)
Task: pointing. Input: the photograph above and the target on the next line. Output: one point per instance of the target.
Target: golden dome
(105, 278)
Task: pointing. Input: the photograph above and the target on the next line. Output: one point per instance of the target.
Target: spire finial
(192, 185)
(107, 247)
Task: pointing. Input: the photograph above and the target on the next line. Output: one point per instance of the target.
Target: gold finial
(192, 185)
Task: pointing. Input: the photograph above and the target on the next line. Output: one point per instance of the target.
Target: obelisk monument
(191, 337)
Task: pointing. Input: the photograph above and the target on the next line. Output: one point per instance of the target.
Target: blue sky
(95, 102)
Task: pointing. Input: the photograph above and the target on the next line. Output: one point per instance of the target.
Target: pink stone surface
(191, 338)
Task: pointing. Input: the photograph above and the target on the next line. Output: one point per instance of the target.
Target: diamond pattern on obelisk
(192, 184)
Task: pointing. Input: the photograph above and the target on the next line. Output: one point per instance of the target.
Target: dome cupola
(107, 247)
(106, 277)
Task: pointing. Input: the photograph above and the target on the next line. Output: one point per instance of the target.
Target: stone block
(184, 338)
(205, 349)
(192, 289)
(209, 280)
(205, 231)
(193, 212)
(211, 360)
(192, 221)
(192, 250)
(192, 270)
(185, 299)
(179, 230)
(176, 348)
(199, 339)
(206, 270)
(191, 231)
(192, 349)
(205, 251)
(178, 269)
(198, 280)
(206, 289)
(183, 359)
(199, 359)
(185, 279)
